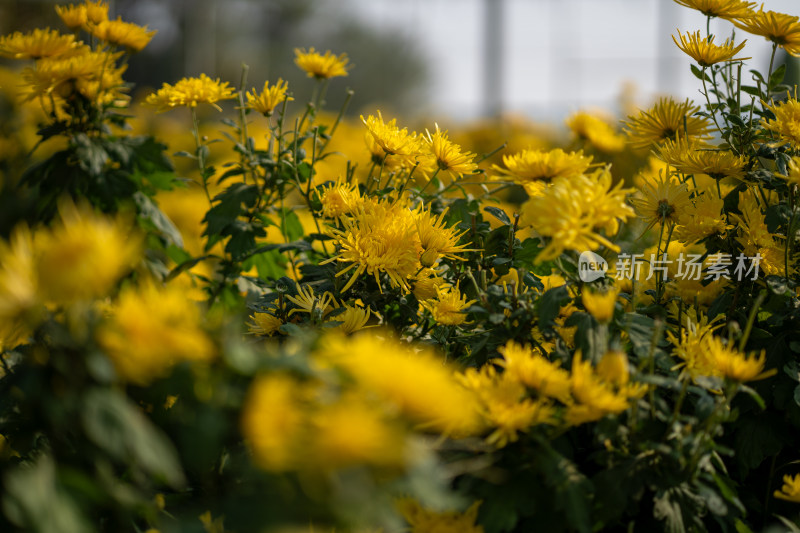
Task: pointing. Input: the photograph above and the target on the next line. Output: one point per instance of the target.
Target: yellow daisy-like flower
(269, 98)
(321, 66)
(265, 324)
(661, 201)
(727, 9)
(717, 164)
(596, 132)
(690, 347)
(534, 168)
(190, 92)
(353, 318)
(790, 491)
(340, 199)
(600, 304)
(572, 211)
(533, 370)
(666, 120)
(787, 120)
(781, 29)
(308, 302)
(792, 176)
(732, 364)
(121, 33)
(701, 218)
(424, 520)
(379, 239)
(447, 155)
(436, 238)
(391, 139)
(59, 76)
(73, 16)
(705, 52)
(96, 12)
(448, 308)
(424, 284)
(37, 44)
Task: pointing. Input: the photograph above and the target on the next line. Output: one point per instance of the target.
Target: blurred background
(457, 59)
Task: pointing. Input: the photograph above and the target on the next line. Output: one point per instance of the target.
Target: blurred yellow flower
(37, 44)
(151, 329)
(790, 491)
(534, 168)
(701, 218)
(705, 52)
(533, 370)
(269, 98)
(781, 29)
(661, 201)
(448, 308)
(596, 131)
(265, 324)
(121, 33)
(73, 16)
(190, 92)
(727, 9)
(83, 255)
(423, 520)
(732, 364)
(321, 66)
(600, 304)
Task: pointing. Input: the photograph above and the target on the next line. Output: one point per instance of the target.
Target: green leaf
(120, 428)
(499, 214)
(291, 226)
(150, 213)
(92, 157)
(550, 304)
(777, 76)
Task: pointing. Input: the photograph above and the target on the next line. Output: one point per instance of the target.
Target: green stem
(200, 153)
(751, 319)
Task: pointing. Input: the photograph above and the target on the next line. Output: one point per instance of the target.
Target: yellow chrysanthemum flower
(269, 98)
(353, 318)
(437, 240)
(661, 201)
(190, 92)
(666, 120)
(690, 347)
(787, 120)
(717, 164)
(727, 9)
(37, 44)
(596, 131)
(447, 155)
(73, 16)
(59, 76)
(379, 239)
(96, 11)
(792, 176)
(391, 139)
(756, 238)
(781, 29)
(321, 66)
(121, 33)
(572, 211)
(340, 199)
(705, 52)
(505, 404)
(448, 308)
(424, 284)
(535, 371)
(701, 218)
(19, 292)
(600, 304)
(265, 324)
(424, 520)
(410, 377)
(83, 255)
(534, 168)
(790, 491)
(151, 329)
(308, 302)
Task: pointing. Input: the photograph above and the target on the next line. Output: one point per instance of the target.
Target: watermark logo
(591, 267)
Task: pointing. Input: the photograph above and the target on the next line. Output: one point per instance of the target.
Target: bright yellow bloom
(265, 324)
(596, 132)
(84, 255)
(273, 420)
(448, 308)
(18, 288)
(448, 156)
(505, 405)
(781, 29)
(379, 239)
(424, 284)
(436, 238)
(534, 168)
(151, 329)
(790, 491)
(792, 176)
(701, 218)
(424, 520)
(727, 9)
(666, 120)
(269, 98)
(661, 201)
(60, 76)
(96, 12)
(353, 318)
(340, 199)
(412, 378)
(732, 364)
(533, 370)
(321, 66)
(190, 92)
(308, 302)
(391, 139)
(600, 304)
(354, 431)
(756, 238)
(717, 164)
(36, 44)
(614, 368)
(787, 120)
(73, 16)
(705, 52)
(121, 33)
(572, 211)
